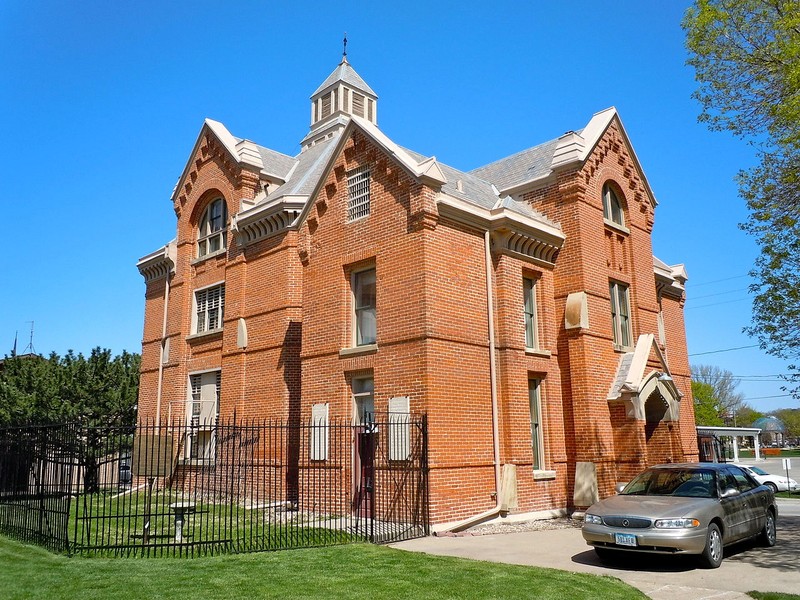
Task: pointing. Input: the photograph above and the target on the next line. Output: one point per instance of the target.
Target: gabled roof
(524, 169)
(345, 73)
(527, 165)
(243, 152)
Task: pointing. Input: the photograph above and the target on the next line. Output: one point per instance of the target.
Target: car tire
(769, 535)
(711, 557)
(772, 486)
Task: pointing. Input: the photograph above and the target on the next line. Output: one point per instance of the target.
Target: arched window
(612, 207)
(212, 233)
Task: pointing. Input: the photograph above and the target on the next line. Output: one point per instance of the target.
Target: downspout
(497, 508)
(161, 351)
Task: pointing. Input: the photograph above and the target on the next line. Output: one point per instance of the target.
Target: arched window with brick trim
(212, 232)
(612, 206)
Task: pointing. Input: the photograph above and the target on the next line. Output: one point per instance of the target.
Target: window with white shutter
(202, 414)
(209, 308)
(399, 428)
(319, 432)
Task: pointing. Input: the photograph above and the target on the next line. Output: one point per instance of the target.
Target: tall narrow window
(212, 232)
(364, 304)
(612, 207)
(358, 181)
(531, 333)
(536, 425)
(210, 306)
(364, 400)
(620, 315)
(202, 415)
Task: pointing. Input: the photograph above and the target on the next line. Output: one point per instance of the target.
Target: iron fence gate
(232, 486)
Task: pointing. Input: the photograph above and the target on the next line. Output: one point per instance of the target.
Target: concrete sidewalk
(746, 567)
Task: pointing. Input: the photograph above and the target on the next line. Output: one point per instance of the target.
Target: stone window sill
(537, 352)
(205, 257)
(540, 475)
(617, 227)
(206, 334)
(358, 350)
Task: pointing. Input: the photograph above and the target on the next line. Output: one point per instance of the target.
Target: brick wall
(294, 292)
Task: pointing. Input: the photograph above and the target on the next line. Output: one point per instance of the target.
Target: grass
(773, 596)
(795, 495)
(112, 523)
(783, 453)
(352, 571)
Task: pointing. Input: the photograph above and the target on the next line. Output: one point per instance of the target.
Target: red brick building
(518, 305)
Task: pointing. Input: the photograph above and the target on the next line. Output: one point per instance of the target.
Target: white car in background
(778, 483)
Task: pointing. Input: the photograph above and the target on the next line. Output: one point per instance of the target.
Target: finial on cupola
(344, 50)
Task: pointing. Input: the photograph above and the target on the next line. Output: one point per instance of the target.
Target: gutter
(497, 508)
(161, 351)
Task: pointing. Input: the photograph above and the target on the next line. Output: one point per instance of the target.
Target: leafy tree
(723, 384)
(97, 390)
(747, 416)
(94, 391)
(706, 406)
(790, 418)
(746, 56)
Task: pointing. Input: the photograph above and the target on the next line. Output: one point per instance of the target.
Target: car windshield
(758, 471)
(691, 483)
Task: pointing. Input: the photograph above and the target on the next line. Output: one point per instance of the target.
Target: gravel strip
(509, 527)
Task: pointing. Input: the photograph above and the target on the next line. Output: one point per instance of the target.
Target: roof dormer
(341, 95)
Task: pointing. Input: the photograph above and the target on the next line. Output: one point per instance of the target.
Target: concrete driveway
(746, 566)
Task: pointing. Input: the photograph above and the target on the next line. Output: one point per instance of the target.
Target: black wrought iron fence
(232, 486)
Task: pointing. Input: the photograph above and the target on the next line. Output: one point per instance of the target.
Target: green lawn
(352, 571)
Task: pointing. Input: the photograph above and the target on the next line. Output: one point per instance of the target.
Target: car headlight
(677, 523)
(593, 519)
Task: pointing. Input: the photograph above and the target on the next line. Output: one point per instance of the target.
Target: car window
(744, 481)
(726, 480)
(697, 483)
(758, 471)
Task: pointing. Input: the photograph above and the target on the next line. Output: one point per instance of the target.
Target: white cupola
(341, 95)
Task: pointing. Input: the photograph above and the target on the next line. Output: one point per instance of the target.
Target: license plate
(625, 539)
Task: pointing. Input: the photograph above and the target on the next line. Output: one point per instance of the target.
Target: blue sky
(101, 103)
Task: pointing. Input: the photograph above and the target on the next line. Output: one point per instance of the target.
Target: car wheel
(769, 534)
(712, 553)
(772, 486)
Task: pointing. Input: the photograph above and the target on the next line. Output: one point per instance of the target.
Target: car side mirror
(620, 486)
(729, 492)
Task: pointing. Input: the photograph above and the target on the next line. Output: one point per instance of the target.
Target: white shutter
(208, 398)
(319, 432)
(399, 428)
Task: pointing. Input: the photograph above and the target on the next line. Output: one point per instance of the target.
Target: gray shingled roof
(520, 167)
(344, 72)
(311, 164)
(480, 192)
(275, 162)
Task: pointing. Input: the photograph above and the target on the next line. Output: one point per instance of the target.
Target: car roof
(698, 465)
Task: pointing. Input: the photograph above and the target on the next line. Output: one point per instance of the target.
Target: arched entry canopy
(735, 433)
(641, 389)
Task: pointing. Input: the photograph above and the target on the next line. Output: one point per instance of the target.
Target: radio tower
(30, 343)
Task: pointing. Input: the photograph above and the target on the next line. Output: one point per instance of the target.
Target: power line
(717, 303)
(766, 397)
(725, 350)
(720, 293)
(696, 285)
